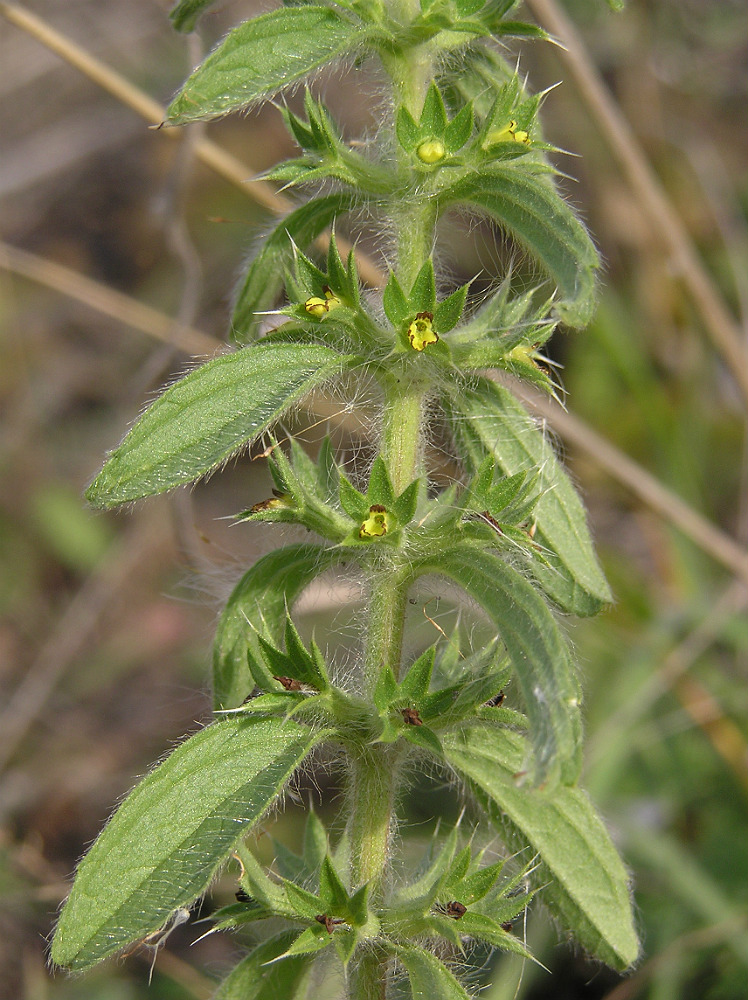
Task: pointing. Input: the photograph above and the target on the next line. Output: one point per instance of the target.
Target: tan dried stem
(230, 167)
(108, 301)
(667, 226)
(643, 484)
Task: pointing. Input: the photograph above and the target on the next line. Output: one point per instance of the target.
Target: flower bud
(431, 151)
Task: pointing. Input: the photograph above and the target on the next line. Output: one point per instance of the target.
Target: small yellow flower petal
(376, 524)
(331, 298)
(421, 331)
(317, 306)
(509, 133)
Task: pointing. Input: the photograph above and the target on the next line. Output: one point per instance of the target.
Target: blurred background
(120, 250)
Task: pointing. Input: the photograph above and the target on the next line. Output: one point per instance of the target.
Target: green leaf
(386, 688)
(395, 301)
(358, 905)
(433, 120)
(257, 606)
(457, 870)
(423, 884)
(447, 314)
(517, 29)
(295, 662)
(337, 272)
(534, 213)
(313, 939)
(262, 56)
(304, 904)
(488, 420)
(254, 979)
(258, 885)
(423, 292)
(424, 738)
(416, 682)
(164, 844)
(407, 130)
(352, 502)
(345, 942)
(315, 842)
(209, 415)
(186, 13)
(287, 864)
(536, 648)
(588, 887)
(474, 887)
(459, 129)
(314, 667)
(331, 889)
(483, 928)
(328, 475)
(428, 976)
(406, 504)
(380, 489)
(263, 283)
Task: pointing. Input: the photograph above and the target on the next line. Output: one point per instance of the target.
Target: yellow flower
(421, 331)
(376, 523)
(318, 307)
(509, 133)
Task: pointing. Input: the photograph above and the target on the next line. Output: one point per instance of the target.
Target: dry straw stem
(212, 155)
(666, 224)
(659, 498)
(724, 735)
(672, 668)
(108, 301)
(73, 630)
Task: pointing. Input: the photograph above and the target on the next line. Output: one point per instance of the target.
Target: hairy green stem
(374, 776)
(368, 979)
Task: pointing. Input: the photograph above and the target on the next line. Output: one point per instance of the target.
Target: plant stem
(374, 774)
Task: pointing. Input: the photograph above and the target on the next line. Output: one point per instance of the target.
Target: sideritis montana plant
(506, 542)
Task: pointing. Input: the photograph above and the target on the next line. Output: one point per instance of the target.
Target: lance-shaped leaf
(258, 607)
(264, 280)
(162, 847)
(536, 648)
(488, 420)
(262, 56)
(207, 416)
(530, 208)
(260, 977)
(587, 884)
